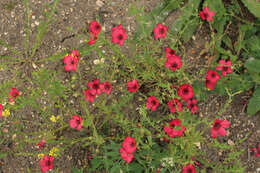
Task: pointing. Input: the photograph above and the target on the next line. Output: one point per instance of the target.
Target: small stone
(96, 61)
(37, 23)
(230, 142)
(99, 3)
(34, 65)
(33, 17)
(14, 136)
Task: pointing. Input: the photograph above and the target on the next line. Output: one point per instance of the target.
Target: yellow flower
(54, 151)
(40, 155)
(53, 119)
(6, 113)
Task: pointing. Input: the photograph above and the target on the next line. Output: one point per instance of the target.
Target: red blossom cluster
(185, 92)
(206, 14)
(1, 109)
(219, 127)
(175, 128)
(127, 149)
(97, 88)
(71, 61)
(257, 151)
(14, 93)
(132, 86)
(189, 169)
(95, 29)
(41, 144)
(212, 77)
(118, 35)
(76, 122)
(46, 163)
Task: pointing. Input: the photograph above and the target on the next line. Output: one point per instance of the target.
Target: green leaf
(183, 20)
(253, 65)
(254, 103)
(77, 170)
(253, 6)
(157, 15)
(190, 29)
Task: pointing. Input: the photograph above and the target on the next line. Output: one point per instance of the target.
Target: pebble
(99, 3)
(230, 142)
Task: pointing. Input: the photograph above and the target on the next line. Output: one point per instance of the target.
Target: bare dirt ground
(67, 32)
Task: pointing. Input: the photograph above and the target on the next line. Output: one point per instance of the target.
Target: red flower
(94, 27)
(70, 62)
(185, 91)
(75, 53)
(210, 84)
(126, 156)
(90, 157)
(219, 127)
(169, 52)
(1, 109)
(173, 63)
(152, 103)
(173, 103)
(90, 95)
(189, 169)
(206, 14)
(93, 38)
(41, 144)
(118, 35)
(106, 87)
(95, 85)
(171, 132)
(159, 31)
(257, 151)
(14, 93)
(129, 144)
(191, 104)
(212, 76)
(76, 121)
(46, 163)
(132, 86)
(224, 67)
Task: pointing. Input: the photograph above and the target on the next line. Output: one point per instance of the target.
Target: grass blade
(42, 28)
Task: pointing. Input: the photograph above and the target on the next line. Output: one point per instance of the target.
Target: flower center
(217, 125)
(174, 65)
(120, 37)
(213, 75)
(78, 122)
(132, 144)
(106, 86)
(154, 102)
(206, 15)
(95, 86)
(97, 27)
(225, 68)
(48, 163)
(161, 30)
(185, 91)
(172, 52)
(189, 170)
(134, 87)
